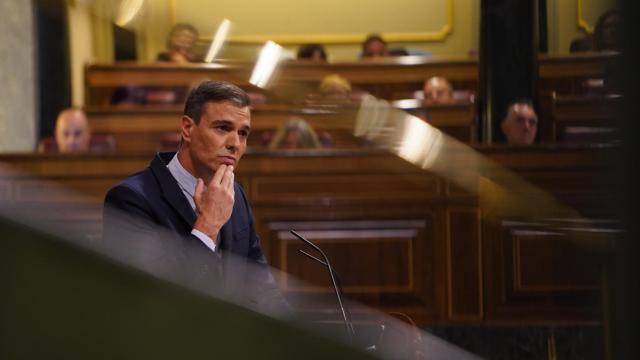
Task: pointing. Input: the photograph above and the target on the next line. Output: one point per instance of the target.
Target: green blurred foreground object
(62, 302)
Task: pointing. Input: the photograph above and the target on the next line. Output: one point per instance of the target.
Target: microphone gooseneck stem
(347, 321)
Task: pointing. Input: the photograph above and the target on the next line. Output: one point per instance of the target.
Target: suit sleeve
(125, 210)
(129, 230)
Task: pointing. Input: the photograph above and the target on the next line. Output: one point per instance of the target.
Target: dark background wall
(54, 79)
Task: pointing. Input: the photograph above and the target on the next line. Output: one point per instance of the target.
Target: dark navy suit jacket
(148, 222)
(154, 196)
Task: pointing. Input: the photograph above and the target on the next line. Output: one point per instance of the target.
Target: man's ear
(186, 128)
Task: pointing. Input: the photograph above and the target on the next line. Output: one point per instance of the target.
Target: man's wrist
(209, 242)
(209, 229)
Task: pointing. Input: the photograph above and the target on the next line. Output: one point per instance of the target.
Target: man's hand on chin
(214, 203)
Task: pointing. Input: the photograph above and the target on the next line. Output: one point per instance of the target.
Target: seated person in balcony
(606, 35)
(335, 89)
(72, 132)
(521, 123)
(374, 46)
(180, 44)
(312, 52)
(437, 90)
(296, 133)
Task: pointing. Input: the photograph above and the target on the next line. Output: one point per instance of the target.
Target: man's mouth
(228, 160)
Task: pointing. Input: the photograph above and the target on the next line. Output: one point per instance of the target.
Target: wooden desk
(402, 239)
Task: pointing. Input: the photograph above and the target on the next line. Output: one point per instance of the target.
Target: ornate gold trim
(395, 37)
(582, 22)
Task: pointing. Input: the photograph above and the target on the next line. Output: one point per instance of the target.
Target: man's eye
(244, 133)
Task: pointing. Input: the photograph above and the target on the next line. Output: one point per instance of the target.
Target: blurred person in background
(374, 46)
(335, 86)
(180, 44)
(72, 132)
(312, 52)
(295, 133)
(520, 126)
(605, 37)
(437, 90)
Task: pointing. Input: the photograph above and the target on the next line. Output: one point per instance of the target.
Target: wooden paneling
(346, 187)
(402, 239)
(586, 118)
(545, 261)
(543, 273)
(391, 247)
(464, 264)
(384, 263)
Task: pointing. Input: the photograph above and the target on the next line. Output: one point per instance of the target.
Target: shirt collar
(186, 181)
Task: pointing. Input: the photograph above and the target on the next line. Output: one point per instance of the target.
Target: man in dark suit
(185, 208)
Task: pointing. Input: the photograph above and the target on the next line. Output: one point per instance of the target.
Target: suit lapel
(170, 189)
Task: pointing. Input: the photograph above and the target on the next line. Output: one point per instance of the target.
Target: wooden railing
(382, 77)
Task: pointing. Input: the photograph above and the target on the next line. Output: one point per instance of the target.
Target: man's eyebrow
(221, 122)
(229, 123)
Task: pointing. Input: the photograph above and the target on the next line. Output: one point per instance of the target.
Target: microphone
(347, 322)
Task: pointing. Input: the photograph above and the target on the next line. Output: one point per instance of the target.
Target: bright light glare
(372, 117)
(270, 55)
(420, 143)
(218, 40)
(127, 11)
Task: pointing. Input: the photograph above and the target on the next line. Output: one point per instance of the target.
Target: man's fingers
(217, 177)
(227, 180)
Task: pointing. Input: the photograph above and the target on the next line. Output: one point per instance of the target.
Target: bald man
(72, 132)
(437, 90)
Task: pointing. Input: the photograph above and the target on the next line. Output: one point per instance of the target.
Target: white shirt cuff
(205, 239)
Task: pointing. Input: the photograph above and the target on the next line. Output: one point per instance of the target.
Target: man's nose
(233, 141)
(530, 125)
